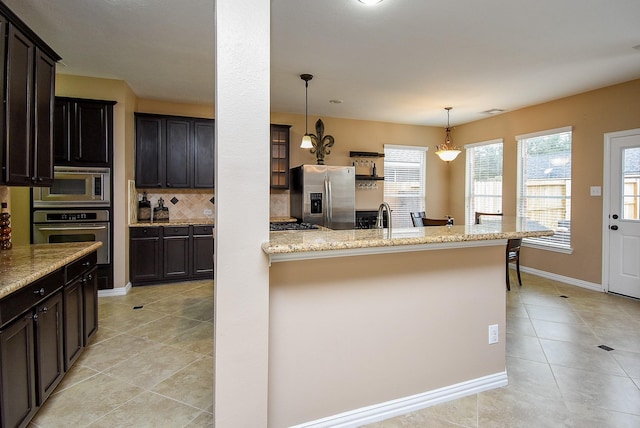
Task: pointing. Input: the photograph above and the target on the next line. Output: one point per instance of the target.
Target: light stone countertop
(23, 264)
(310, 244)
(177, 222)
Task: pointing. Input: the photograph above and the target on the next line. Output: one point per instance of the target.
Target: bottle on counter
(5, 227)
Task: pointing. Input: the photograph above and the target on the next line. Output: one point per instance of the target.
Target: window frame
(470, 216)
(544, 243)
(421, 197)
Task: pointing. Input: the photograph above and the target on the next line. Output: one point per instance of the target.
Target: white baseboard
(401, 406)
(561, 278)
(120, 291)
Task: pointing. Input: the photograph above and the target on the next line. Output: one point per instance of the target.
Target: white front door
(622, 221)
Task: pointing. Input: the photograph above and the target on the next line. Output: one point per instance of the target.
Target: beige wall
(591, 115)
(351, 332)
(362, 135)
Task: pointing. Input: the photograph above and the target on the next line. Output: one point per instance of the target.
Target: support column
(242, 114)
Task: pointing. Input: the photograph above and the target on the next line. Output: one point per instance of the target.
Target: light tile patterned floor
(558, 377)
(146, 367)
(153, 367)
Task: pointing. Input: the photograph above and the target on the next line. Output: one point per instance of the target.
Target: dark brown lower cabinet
(145, 264)
(202, 251)
(175, 252)
(161, 254)
(73, 334)
(90, 286)
(49, 355)
(43, 327)
(17, 368)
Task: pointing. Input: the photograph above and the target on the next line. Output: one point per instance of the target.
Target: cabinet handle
(89, 278)
(39, 292)
(45, 309)
(168, 184)
(33, 317)
(86, 264)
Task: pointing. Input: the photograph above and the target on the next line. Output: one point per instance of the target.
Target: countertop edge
(331, 245)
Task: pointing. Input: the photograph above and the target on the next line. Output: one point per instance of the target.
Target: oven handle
(73, 228)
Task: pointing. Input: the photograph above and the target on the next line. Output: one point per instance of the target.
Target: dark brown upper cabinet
(83, 132)
(26, 115)
(280, 156)
(174, 152)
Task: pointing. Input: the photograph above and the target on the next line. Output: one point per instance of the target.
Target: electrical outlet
(208, 212)
(493, 334)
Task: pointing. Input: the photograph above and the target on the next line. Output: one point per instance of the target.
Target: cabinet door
(150, 169)
(49, 346)
(19, 105)
(175, 247)
(92, 134)
(202, 251)
(43, 117)
(178, 151)
(17, 371)
(204, 152)
(90, 304)
(73, 334)
(145, 249)
(63, 113)
(280, 156)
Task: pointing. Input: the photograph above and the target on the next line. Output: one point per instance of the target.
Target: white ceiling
(401, 61)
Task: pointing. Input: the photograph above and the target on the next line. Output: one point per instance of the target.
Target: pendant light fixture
(306, 140)
(447, 151)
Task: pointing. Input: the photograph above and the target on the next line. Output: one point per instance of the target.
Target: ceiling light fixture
(447, 151)
(306, 140)
(370, 2)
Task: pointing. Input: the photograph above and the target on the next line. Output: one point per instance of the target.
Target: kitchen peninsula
(48, 314)
(367, 324)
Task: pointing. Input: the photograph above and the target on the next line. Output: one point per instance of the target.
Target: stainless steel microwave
(75, 187)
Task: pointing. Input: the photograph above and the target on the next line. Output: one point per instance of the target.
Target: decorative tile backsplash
(279, 206)
(183, 204)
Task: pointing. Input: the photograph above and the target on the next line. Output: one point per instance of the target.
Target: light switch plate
(596, 191)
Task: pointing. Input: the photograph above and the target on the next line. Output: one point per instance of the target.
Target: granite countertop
(24, 264)
(176, 222)
(290, 245)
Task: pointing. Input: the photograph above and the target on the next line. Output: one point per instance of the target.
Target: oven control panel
(71, 216)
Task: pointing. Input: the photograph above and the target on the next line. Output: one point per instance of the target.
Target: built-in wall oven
(56, 226)
(76, 208)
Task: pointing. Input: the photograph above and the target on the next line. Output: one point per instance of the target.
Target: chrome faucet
(380, 219)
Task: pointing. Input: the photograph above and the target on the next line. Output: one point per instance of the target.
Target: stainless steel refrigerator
(324, 195)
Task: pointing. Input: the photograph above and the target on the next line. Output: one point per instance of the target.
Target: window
(404, 182)
(484, 178)
(544, 184)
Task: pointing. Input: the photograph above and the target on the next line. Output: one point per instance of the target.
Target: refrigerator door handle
(329, 208)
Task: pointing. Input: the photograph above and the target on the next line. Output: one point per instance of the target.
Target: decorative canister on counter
(5, 227)
(144, 208)
(161, 213)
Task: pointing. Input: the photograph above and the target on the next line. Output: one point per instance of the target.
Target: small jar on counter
(5, 227)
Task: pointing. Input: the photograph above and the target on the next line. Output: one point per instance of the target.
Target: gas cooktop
(292, 226)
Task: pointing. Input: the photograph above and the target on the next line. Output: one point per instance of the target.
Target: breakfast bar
(368, 324)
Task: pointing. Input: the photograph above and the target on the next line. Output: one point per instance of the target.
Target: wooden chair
(512, 252)
(435, 221)
(513, 256)
(416, 218)
(479, 214)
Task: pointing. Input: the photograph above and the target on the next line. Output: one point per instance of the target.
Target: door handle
(615, 216)
(614, 227)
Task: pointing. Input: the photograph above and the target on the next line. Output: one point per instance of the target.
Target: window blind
(404, 182)
(484, 178)
(544, 184)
